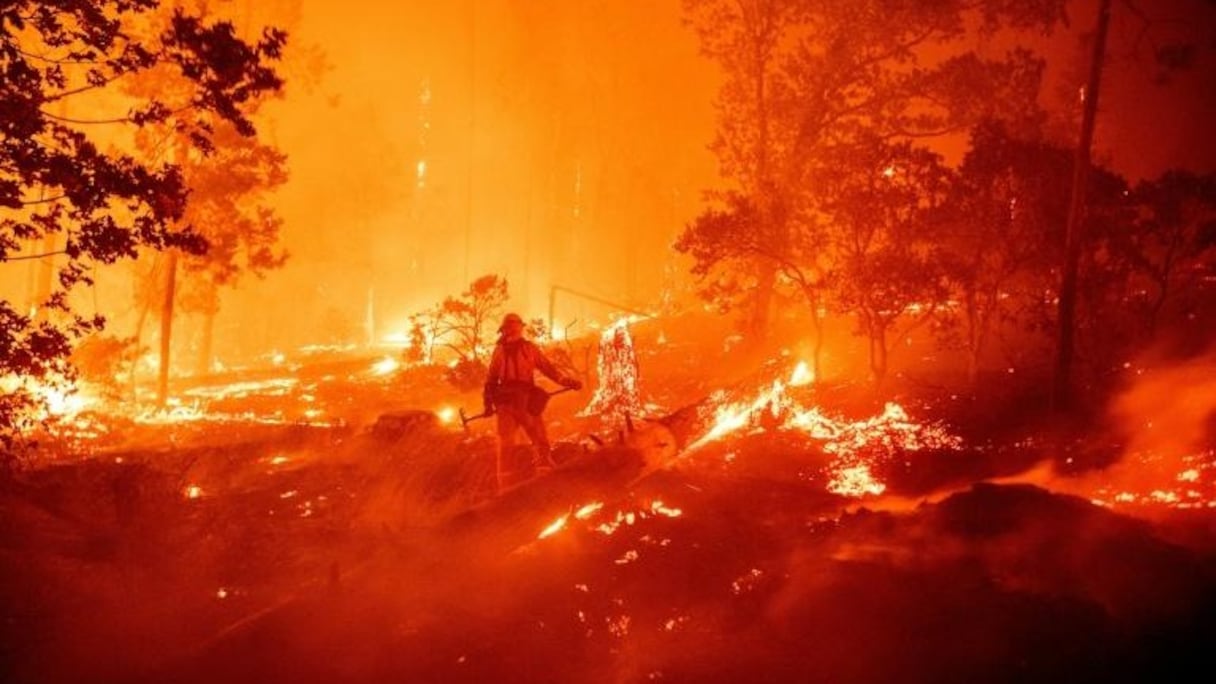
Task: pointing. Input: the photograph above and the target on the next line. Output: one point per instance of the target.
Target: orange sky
(584, 126)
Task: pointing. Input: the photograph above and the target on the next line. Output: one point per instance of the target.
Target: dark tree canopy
(61, 186)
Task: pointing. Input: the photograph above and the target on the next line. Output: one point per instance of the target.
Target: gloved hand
(572, 383)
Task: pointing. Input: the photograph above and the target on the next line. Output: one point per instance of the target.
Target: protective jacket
(511, 379)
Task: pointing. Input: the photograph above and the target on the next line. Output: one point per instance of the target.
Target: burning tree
(616, 393)
(809, 88)
(56, 181)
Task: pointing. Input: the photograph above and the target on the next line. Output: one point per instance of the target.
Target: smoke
(1169, 411)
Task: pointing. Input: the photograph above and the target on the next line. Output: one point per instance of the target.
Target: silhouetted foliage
(886, 266)
(809, 84)
(56, 181)
(1000, 236)
(460, 322)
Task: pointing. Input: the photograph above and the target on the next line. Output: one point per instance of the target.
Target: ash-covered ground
(328, 520)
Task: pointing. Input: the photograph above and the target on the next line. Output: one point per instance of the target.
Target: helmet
(508, 319)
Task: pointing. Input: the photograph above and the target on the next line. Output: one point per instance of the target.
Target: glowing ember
(849, 441)
(193, 492)
(554, 527)
(660, 509)
(1148, 479)
(447, 414)
(855, 481)
(591, 510)
(616, 392)
(588, 510)
(629, 557)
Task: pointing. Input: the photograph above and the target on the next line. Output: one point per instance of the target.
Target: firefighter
(511, 393)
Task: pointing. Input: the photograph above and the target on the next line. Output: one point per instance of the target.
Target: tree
(1061, 385)
(718, 235)
(999, 234)
(887, 263)
(227, 207)
(460, 321)
(1171, 244)
(227, 180)
(56, 179)
(806, 81)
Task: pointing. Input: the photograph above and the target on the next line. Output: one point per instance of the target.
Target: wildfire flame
(586, 512)
(850, 474)
(616, 393)
(802, 375)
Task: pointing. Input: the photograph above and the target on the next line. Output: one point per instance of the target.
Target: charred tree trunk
(762, 300)
(1073, 238)
(878, 354)
(166, 328)
(973, 352)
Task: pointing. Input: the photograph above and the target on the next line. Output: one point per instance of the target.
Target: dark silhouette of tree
(999, 237)
(55, 179)
(806, 81)
(1172, 243)
(1073, 239)
(885, 255)
(460, 322)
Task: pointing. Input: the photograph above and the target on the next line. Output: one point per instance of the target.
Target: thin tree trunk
(972, 338)
(878, 353)
(1073, 238)
(46, 277)
(762, 300)
(204, 355)
(166, 328)
(139, 331)
(817, 353)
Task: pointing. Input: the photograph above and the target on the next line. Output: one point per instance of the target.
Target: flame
(193, 491)
(585, 512)
(855, 481)
(60, 397)
(385, 366)
(447, 414)
(773, 409)
(616, 393)
(802, 375)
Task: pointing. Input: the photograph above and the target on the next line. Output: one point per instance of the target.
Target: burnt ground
(347, 553)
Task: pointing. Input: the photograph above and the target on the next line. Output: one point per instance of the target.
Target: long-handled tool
(466, 419)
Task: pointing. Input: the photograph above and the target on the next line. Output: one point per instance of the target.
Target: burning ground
(325, 518)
